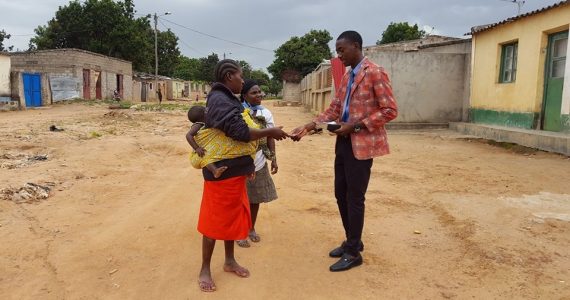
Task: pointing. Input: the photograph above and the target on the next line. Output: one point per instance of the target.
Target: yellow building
(518, 71)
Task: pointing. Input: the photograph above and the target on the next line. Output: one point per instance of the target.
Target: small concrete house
(44, 77)
(144, 88)
(519, 68)
(175, 89)
(197, 90)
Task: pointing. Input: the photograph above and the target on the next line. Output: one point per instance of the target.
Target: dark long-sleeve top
(223, 112)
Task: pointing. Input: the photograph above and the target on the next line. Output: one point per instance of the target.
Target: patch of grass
(166, 106)
(120, 105)
(111, 131)
(95, 134)
(125, 104)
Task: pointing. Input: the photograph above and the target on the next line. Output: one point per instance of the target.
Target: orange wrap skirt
(224, 213)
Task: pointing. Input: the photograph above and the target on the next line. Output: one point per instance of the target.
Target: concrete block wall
(431, 85)
(50, 60)
(291, 91)
(71, 63)
(428, 87)
(17, 88)
(317, 89)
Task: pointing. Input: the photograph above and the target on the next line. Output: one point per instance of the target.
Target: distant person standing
(159, 92)
(197, 97)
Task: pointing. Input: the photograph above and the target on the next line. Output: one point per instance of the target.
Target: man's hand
(301, 131)
(298, 133)
(278, 133)
(274, 167)
(345, 129)
(200, 151)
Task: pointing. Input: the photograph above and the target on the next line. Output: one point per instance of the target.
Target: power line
(11, 35)
(183, 42)
(519, 3)
(56, 33)
(218, 38)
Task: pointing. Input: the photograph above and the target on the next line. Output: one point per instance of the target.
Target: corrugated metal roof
(481, 28)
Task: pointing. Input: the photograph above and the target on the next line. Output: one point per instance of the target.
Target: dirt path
(446, 217)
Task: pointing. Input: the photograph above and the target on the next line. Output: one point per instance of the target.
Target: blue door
(32, 90)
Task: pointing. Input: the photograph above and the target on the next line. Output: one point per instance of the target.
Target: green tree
(245, 68)
(106, 27)
(397, 32)
(300, 55)
(261, 77)
(168, 52)
(187, 68)
(3, 37)
(275, 86)
(207, 66)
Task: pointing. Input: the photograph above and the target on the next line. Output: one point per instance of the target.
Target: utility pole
(155, 54)
(519, 3)
(156, 50)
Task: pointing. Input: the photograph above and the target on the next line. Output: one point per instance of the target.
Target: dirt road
(446, 217)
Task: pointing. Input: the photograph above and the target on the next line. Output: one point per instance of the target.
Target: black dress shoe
(346, 262)
(339, 251)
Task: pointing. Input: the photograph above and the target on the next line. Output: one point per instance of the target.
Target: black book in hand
(333, 127)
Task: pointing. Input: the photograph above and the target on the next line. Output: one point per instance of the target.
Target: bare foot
(235, 268)
(205, 282)
(218, 171)
(254, 237)
(243, 243)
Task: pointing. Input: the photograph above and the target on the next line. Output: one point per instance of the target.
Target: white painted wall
(4, 76)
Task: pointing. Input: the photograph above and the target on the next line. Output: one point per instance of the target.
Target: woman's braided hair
(225, 67)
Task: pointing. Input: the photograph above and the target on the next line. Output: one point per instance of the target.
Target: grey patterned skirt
(262, 188)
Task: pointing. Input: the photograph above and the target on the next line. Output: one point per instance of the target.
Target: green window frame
(509, 54)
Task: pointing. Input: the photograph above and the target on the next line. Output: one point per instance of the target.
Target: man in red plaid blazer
(363, 105)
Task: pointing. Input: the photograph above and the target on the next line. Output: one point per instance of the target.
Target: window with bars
(509, 53)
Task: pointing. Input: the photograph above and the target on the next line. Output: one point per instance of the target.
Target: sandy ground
(446, 216)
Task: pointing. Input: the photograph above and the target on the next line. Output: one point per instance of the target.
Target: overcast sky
(267, 24)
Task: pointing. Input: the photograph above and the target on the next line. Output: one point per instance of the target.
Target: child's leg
(215, 170)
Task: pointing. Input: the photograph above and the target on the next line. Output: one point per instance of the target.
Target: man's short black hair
(196, 113)
(351, 36)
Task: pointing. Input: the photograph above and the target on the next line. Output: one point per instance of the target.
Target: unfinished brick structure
(43, 77)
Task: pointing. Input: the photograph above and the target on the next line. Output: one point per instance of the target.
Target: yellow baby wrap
(218, 146)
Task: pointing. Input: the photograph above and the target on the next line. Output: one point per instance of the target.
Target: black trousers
(351, 177)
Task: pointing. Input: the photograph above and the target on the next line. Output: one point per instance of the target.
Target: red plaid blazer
(372, 103)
